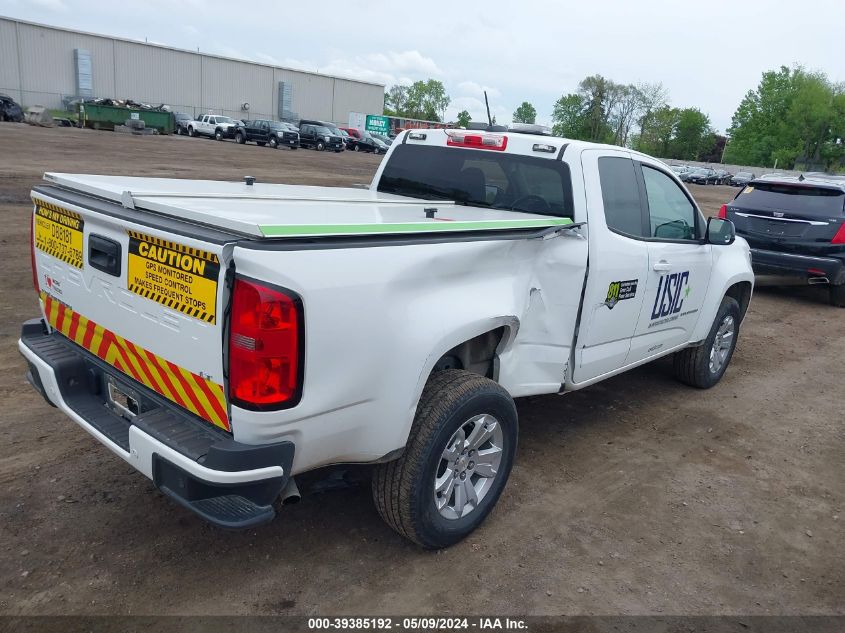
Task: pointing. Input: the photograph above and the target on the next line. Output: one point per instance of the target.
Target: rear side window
(621, 195)
(816, 202)
(480, 178)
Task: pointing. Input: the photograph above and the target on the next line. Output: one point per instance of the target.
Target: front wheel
(191, 132)
(273, 142)
(456, 463)
(704, 366)
(240, 138)
(218, 135)
(320, 146)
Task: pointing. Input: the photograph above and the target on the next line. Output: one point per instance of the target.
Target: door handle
(661, 266)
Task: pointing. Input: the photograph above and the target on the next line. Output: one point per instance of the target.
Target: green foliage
(793, 116)
(525, 113)
(421, 100)
(463, 118)
(682, 134)
(605, 111)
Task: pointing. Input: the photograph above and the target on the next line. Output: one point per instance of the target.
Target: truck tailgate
(147, 302)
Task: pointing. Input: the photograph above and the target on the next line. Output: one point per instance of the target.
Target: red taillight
(839, 238)
(473, 140)
(32, 253)
(723, 212)
(265, 339)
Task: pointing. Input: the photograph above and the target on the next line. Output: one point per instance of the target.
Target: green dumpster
(103, 117)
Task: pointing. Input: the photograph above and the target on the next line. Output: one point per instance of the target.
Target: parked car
(331, 127)
(384, 139)
(722, 176)
(701, 176)
(215, 126)
(367, 143)
(319, 137)
(10, 110)
(795, 226)
(741, 179)
(182, 121)
(679, 169)
(352, 131)
(266, 132)
(370, 329)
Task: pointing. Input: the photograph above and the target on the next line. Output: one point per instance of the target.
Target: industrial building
(46, 65)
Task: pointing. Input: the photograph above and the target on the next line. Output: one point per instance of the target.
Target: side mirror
(720, 232)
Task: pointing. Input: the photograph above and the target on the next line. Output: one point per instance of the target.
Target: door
(618, 264)
(678, 266)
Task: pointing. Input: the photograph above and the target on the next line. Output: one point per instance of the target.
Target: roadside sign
(378, 124)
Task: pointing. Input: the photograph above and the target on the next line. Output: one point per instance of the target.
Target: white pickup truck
(215, 126)
(224, 337)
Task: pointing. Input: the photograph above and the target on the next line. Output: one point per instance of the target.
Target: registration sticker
(176, 276)
(58, 232)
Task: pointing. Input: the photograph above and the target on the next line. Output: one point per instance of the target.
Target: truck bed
(272, 210)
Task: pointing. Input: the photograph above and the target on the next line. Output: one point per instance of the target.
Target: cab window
(672, 216)
(620, 192)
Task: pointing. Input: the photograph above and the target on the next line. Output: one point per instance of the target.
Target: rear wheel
(837, 296)
(704, 366)
(456, 463)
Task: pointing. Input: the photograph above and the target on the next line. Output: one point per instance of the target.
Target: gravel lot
(635, 496)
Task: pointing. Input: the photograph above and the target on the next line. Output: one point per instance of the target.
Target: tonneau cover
(266, 210)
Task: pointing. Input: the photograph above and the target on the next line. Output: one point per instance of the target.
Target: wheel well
(477, 355)
(742, 293)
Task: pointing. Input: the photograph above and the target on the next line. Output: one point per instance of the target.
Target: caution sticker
(58, 232)
(174, 275)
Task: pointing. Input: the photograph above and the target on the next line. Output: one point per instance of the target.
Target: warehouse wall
(36, 67)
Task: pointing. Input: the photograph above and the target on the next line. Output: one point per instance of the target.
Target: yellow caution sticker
(748, 189)
(58, 232)
(176, 276)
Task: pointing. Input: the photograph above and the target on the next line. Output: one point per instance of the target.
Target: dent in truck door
(618, 263)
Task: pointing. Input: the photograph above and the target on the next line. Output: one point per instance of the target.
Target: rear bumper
(231, 485)
(776, 263)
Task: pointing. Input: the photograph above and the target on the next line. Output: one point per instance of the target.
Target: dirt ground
(636, 496)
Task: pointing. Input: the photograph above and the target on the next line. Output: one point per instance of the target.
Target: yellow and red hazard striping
(187, 389)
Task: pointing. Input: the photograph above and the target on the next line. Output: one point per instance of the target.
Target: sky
(707, 54)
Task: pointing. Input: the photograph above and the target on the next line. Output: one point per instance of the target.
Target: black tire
(191, 132)
(218, 135)
(356, 148)
(261, 143)
(320, 146)
(692, 365)
(273, 142)
(837, 296)
(403, 490)
(240, 138)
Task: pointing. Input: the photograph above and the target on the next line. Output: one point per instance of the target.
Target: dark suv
(265, 132)
(319, 137)
(795, 226)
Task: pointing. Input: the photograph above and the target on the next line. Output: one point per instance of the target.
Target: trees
(463, 118)
(421, 100)
(792, 117)
(605, 111)
(525, 113)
